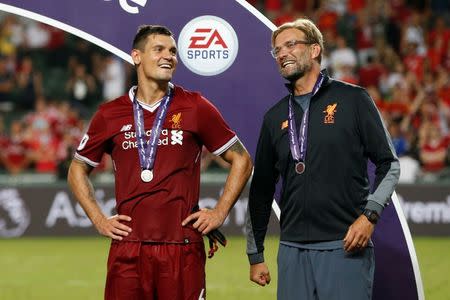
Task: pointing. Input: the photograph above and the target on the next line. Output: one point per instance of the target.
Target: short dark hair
(144, 31)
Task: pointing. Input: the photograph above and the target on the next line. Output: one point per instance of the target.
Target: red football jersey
(158, 207)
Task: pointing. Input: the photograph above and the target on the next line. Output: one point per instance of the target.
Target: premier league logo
(208, 45)
(14, 215)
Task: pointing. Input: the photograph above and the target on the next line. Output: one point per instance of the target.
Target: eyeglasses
(289, 45)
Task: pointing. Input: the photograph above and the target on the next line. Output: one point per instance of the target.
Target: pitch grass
(74, 268)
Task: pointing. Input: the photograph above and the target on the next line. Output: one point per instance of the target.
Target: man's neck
(151, 92)
(305, 84)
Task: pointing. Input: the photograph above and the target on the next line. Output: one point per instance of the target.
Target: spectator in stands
(45, 152)
(15, 155)
(346, 28)
(29, 84)
(413, 61)
(355, 6)
(391, 28)
(387, 56)
(440, 32)
(435, 54)
(393, 77)
(364, 37)
(10, 36)
(83, 53)
(286, 14)
(342, 60)
(399, 104)
(401, 10)
(433, 149)
(272, 7)
(414, 33)
(113, 78)
(371, 73)
(375, 94)
(327, 16)
(410, 169)
(81, 87)
(6, 81)
(398, 139)
(41, 140)
(3, 139)
(443, 95)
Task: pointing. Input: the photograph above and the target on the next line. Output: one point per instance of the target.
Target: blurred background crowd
(51, 82)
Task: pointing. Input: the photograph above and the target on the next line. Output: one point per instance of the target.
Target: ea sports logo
(208, 45)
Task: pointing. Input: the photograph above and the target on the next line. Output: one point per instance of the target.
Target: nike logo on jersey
(126, 127)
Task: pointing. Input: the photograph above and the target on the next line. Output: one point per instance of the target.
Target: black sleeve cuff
(256, 258)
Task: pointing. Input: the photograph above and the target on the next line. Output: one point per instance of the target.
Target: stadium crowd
(50, 84)
(399, 51)
(51, 81)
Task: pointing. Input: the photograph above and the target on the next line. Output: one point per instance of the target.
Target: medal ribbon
(147, 150)
(298, 143)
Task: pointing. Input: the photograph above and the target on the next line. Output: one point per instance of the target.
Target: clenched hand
(260, 274)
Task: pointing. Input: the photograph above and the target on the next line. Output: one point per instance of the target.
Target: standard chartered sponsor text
(131, 143)
(131, 134)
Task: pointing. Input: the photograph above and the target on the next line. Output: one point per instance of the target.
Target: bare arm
(418, 100)
(240, 171)
(81, 186)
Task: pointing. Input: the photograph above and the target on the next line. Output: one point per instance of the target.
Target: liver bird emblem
(176, 120)
(330, 111)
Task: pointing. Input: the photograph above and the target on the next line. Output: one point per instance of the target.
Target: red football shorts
(149, 271)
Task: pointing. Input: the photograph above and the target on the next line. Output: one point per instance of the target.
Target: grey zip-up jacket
(345, 129)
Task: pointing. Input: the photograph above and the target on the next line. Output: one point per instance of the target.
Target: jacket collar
(326, 81)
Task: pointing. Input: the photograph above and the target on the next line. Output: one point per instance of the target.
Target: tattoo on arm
(91, 193)
(237, 147)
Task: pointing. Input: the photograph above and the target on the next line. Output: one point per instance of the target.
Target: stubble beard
(299, 71)
(160, 77)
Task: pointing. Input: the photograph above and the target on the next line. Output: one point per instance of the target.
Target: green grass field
(74, 268)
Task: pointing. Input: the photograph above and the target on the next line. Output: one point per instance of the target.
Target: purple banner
(224, 53)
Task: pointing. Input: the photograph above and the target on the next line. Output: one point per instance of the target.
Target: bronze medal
(300, 167)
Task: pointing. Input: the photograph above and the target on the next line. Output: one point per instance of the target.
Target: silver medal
(147, 175)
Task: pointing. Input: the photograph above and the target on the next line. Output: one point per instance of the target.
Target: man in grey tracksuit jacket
(328, 213)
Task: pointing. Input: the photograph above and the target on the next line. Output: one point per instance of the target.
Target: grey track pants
(305, 274)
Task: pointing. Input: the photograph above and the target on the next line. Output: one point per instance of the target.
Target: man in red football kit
(155, 135)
